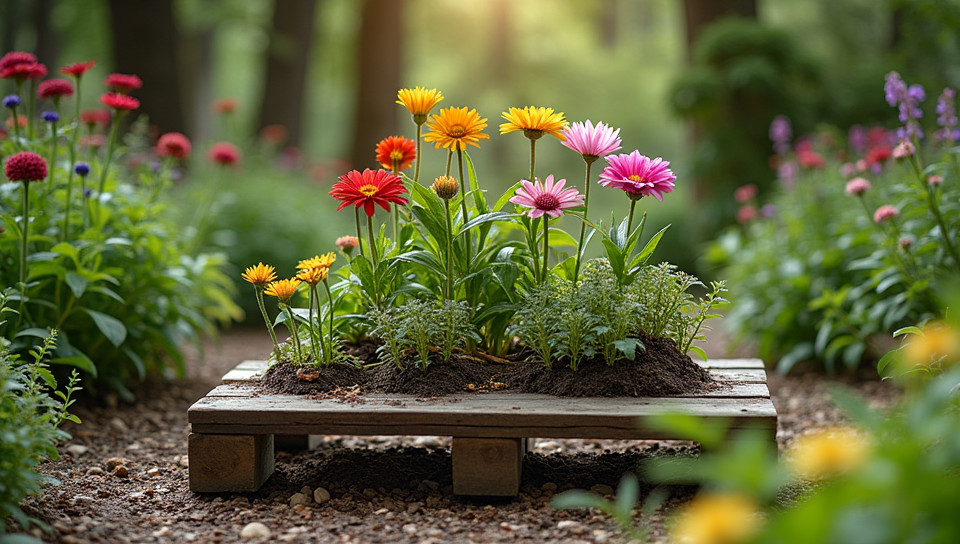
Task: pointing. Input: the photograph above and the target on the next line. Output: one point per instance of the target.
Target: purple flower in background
(787, 172)
(50, 116)
(946, 115)
(781, 133)
(907, 99)
(858, 139)
(768, 210)
(11, 101)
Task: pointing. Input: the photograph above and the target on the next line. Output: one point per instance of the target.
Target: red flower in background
(119, 102)
(224, 153)
(54, 88)
(396, 148)
(173, 144)
(95, 117)
(77, 69)
(25, 166)
(16, 57)
(878, 154)
(273, 134)
(369, 188)
(225, 105)
(123, 83)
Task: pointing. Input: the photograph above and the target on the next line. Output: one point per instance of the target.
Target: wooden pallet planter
(231, 443)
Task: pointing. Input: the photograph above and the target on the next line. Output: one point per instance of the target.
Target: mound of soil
(661, 370)
(458, 374)
(305, 380)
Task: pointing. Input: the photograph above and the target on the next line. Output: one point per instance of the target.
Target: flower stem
(23, 247)
(449, 162)
(16, 128)
(583, 226)
(633, 205)
(313, 334)
(546, 247)
(448, 288)
(533, 157)
(330, 301)
(70, 173)
(266, 319)
(106, 161)
(935, 208)
(373, 242)
(396, 209)
(292, 326)
(416, 171)
(356, 215)
(463, 208)
(31, 108)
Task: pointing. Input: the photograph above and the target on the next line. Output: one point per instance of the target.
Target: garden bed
(233, 427)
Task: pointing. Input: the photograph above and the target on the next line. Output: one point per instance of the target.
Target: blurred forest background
(694, 81)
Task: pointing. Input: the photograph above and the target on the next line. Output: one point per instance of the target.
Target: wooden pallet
(231, 444)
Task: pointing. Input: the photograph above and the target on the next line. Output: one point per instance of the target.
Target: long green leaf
(648, 249)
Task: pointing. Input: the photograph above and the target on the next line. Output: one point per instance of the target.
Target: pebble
(119, 425)
(569, 524)
(547, 445)
(183, 461)
(153, 472)
(427, 441)
(602, 489)
(413, 507)
(410, 529)
(120, 471)
(321, 495)
(113, 462)
(163, 531)
(299, 499)
(255, 530)
(76, 450)
(95, 471)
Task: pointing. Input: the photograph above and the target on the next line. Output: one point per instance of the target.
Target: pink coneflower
(224, 154)
(54, 89)
(884, 213)
(592, 142)
(745, 193)
(119, 102)
(550, 198)
(347, 244)
(903, 150)
(123, 83)
(173, 144)
(935, 180)
(857, 186)
(77, 69)
(638, 175)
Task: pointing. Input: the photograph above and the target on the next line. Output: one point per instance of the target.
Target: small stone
(410, 529)
(548, 445)
(76, 450)
(413, 507)
(321, 495)
(306, 491)
(184, 461)
(120, 471)
(254, 530)
(113, 462)
(433, 532)
(95, 471)
(163, 531)
(153, 472)
(427, 441)
(299, 499)
(381, 511)
(601, 489)
(83, 498)
(568, 524)
(119, 425)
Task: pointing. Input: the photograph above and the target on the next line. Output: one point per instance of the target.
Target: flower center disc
(368, 190)
(634, 177)
(457, 131)
(396, 155)
(547, 202)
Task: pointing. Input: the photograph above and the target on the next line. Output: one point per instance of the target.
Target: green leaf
(689, 427)
(110, 326)
(628, 346)
(627, 493)
(648, 249)
(907, 330)
(699, 351)
(576, 498)
(77, 283)
(33, 331)
(423, 258)
(478, 199)
(507, 195)
(485, 218)
(615, 256)
(79, 361)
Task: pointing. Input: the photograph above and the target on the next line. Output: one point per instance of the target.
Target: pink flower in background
(224, 154)
(25, 166)
(54, 89)
(638, 174)
(119, 102)
(16, 57)
(905, 242)
(77, 69)
(904, 149)
(857, 186)
(173, 144)
(745, 193)
(884, 213)
(935, 180)
(550, 199)
(123, 83)
(591, 141)
(746, 214)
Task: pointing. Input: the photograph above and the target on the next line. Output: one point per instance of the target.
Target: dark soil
(461, 373)
(305, 380)
(661, 370)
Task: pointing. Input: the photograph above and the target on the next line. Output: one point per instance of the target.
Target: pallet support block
(229, 462)
(487, 466)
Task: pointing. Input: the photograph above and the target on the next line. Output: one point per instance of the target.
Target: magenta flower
(638, 175)
(935, 180)
(884, 213)
(548, 199)
(857, 186)
(591, 141)
(903, 150)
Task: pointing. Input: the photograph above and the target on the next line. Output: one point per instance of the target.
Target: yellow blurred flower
(313, 276)
(283, 289)
(828, 452)
(259, 275)
(419, 101)
(534, 122)
(455, 128)
(716, 519)
(319, 261)
(938, 342)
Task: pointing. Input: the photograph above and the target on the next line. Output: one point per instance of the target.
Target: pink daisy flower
(884, 213)
(857, 186)
(591, 141)
(548, 199)
(638, 175)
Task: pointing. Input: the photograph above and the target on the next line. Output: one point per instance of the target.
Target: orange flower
(534, 122)
(419, 101)
(318, 261)
(259, 275)
(455, 128)
(313, 276)
(283, 289)
(396, 150)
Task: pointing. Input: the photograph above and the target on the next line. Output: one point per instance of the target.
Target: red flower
(37, 71)
(95, 117)
(16, 57)
(746, 214)
(123, 83)
(119, 101)
(878, 154)
(77, 69)
(810, 159)
(23, 71)
(396, 148)
(93, 140)
(224, 153)
(21, 122)
(54, 88)
(173, 144)
(225, 105)
(25, 166)
(273, 134)
(369, 188)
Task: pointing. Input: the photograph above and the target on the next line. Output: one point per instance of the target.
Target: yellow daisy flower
(828, 452)
(318, 261)
(716, 519)
(534, 122)
(419, 101)
(454, 128)
(259, 275)
(283, 289)
(313, 276)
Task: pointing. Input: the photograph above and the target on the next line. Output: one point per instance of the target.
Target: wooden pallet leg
(229, 462)
(487, 466)
(297, 442)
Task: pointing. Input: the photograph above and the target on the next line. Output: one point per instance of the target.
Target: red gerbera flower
(123, 83)
(23, 71)
(396, 148)
(173, 144)
(77, 69)
(25, 166)
(879, 154)
(224, 153)
(95, 117)
(16, 57)
(119, 101)
(54, 89)
(369, 188)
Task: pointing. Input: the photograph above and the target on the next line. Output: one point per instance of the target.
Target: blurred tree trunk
(288, 58)
(698, 14)
(379, 55)
(198, 73)
(48, 46)
(144, 38)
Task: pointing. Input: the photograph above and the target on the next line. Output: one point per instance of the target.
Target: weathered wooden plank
(487, 466)
(731, 363)
(745, 375)
(229, 462)
(238, 375)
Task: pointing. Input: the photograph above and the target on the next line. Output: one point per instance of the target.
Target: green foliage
(31, 411)
(415, 330)
(620, 510)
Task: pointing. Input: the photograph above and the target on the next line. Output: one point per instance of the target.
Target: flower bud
(446, 187)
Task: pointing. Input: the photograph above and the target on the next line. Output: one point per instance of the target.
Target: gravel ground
(124, 474)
